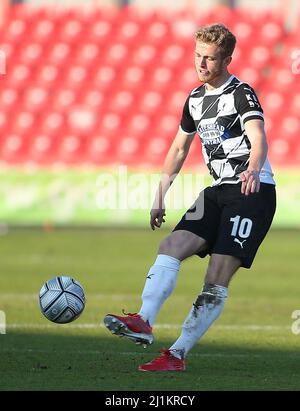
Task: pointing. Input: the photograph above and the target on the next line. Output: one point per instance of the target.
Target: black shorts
(230, 222)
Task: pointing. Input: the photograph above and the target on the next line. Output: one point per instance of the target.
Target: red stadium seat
(18, 76)
(47, 76)
(70, 149)
(260, 56)
(82, 120)
(63, 99)
(58, 53)
(35, 99)
(129, 33)
(42, 31)
(104, 77)
(281, 79)
(157, 33)
(132, 79)
(99, 32)
(71, 31)
(145, 55)
(8, 98)
(273, 102)
(109, 124)
(245, 33)
(23, 123)
(160, 79)
(41, 149)
(75, 77)
(270, 33)
(281, 151)
(13, 149)
(289, 128)
(100, 150)
(129, 150)
(121, 102)
(155, 149)
(31, 53)
(250, 75)
(86, 54)
(185, 80)
(175, 102)
(93, 98)
(15, 31)
(173, 55)
(52, 123)
(150, 102)
(137, 125)
(116, 55)
(166, 125)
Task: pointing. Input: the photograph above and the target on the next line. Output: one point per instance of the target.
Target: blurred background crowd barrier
(88, 86)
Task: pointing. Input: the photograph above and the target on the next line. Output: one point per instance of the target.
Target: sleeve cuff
(186, 132)
(252, 115)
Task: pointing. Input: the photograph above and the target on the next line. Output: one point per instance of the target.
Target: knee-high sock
(205, 311)
(160, 282)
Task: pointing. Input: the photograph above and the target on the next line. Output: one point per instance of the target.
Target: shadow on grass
(58, 362)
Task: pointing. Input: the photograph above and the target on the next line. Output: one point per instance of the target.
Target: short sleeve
(187, 123)
(247, 103)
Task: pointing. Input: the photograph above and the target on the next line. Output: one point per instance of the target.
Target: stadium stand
(108, 87)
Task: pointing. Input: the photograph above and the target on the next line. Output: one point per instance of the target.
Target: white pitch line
(142, 352)
(34, 296)
(251, 327)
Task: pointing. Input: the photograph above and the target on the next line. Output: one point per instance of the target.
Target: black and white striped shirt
(218, 116)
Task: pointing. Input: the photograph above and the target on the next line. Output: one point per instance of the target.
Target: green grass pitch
(250, 347)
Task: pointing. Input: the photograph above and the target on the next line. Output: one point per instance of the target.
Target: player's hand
(250, 182)
(157, 217)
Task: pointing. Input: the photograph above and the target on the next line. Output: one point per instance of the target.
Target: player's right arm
(172, 165)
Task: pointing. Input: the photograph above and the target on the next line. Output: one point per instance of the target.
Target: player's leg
(192, 235)
(160, 282)
(221, 268)
(209, 304)
(206, 309)
(244, 224)
(162, 277)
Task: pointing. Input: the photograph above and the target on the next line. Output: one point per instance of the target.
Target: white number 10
(242, 227)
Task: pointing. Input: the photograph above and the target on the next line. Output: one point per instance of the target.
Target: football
(62, 299)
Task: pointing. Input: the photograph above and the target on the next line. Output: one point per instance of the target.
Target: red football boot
(131, 326)
(165, 362)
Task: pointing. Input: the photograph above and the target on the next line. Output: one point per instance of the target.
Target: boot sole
(117, 327)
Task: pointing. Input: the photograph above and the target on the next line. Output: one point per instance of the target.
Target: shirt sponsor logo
(212, 133)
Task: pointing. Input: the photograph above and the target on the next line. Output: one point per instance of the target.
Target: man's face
(209, 61)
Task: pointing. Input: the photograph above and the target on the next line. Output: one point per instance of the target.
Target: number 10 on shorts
(241, 227)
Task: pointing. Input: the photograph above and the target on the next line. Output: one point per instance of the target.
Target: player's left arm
(259, 147)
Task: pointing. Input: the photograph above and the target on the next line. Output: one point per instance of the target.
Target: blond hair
(217, 34)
